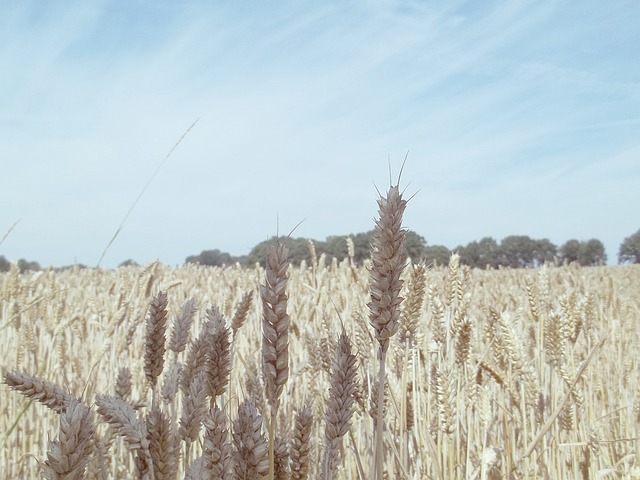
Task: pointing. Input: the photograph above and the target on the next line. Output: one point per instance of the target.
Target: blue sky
(519, 118)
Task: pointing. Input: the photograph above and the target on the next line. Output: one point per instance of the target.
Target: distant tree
(333, 246)
(544, 251)
(26, 266)
(415, 245)
(242, 260)
(630, 249)
(593, 253)
(488, 252)
(517, 251)
(129, 263)
(5, 264)
(336, 246)
(570, 251)
(587, 253)
(212, 258)
(362, 246)
(480, 254)
(298, 251)
(258, 253)
(436, 254)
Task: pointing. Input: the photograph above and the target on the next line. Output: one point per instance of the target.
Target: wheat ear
(123, 418)
(194, 409)
(68, 456)
(197, 470)
(275, 335)
(241, 312)
(413, 305)
(218, 365)
(182, 328)
(163, 444)
(301, 444)
(196, 359)
(216, 447)
(43, 391)
(388, 259)
(155, 338)
(251, 453)
(121, 415)
(338, 408)
(123, 384)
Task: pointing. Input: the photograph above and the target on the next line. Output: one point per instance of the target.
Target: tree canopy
(212, 258)
(630, 249)
(591, 252)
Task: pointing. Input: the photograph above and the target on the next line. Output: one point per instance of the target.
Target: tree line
(514, 251)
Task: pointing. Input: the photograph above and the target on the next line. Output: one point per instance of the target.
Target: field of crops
(491, 374)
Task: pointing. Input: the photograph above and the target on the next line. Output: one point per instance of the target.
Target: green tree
(5, 264)
(298, 251)
(593, 253)
(480, 254)
(570, 251)
(258, 253)
(629, 251)
(362, 246)
(132, 263)
(436, 255)
(212, 258)
(518, 251)
(586, 253)
(333, 246)
(25, 266)
(544, 251)
(336, 246)
(415, 245)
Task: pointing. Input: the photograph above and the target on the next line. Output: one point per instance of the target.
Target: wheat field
(159, 372)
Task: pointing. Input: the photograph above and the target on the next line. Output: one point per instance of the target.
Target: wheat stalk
(182, 328)
(275, 335)
(388, 258)
(413, 305)
(338, 407)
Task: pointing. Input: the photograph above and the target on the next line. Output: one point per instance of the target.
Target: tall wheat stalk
(338, 408)
(388, 259)
(275, 336)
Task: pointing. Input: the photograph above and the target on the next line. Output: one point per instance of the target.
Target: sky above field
(519, 118)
